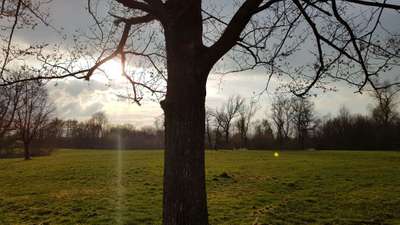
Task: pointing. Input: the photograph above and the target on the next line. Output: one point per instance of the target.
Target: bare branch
(235, 27)
(10, 38)
(374, 3)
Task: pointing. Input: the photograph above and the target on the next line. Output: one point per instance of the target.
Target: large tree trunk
(185, 199)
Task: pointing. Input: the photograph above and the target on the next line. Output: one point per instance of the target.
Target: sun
(113, 69)
(112, 72)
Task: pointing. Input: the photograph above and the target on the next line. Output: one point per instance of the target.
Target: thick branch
(376, 4)
(119, 50)
(134, 20)
(235, 27)
(136, 5)
(153, 7)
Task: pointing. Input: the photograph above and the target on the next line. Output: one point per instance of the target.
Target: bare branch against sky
(97, 37)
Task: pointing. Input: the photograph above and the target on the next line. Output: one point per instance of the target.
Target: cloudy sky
(79, 99)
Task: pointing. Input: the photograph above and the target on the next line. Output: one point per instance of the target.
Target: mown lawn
(104, 187)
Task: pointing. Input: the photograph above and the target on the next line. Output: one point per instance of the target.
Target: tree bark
(185, 199)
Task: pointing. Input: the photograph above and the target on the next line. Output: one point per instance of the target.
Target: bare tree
(303, 117)
(70, 128)
(260, 33)
(97, 124)
(33, 113)
(282, 115)
(246, 114)
(263, 135)
(225, 115)
(49, 137)
(9, 102)
(208, 119)
(54, 129)
(217, 135)
(159, 124)
(385, 110)
(343, 121)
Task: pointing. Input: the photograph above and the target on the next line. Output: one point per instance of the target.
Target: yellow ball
(276, 154)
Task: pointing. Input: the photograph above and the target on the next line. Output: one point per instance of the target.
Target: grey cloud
(69, 110)
(93, 108)
(75, 110)
(76, 99)
(75, 87)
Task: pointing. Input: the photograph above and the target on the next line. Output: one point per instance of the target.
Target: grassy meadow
(244, 187)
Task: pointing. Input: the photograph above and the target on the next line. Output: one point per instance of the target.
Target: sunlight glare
(112, 70)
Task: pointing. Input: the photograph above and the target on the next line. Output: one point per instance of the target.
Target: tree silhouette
(282, 115)
(303, 118)
(384, 112)
(9, 103)
(33, 113)
(225, 115)
(246, 114)
(184, 39)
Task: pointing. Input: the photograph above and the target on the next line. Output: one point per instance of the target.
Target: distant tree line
(379, 130)
(97, 133)
(291, 123)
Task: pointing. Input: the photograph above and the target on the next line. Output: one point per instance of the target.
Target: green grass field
(104, 187)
